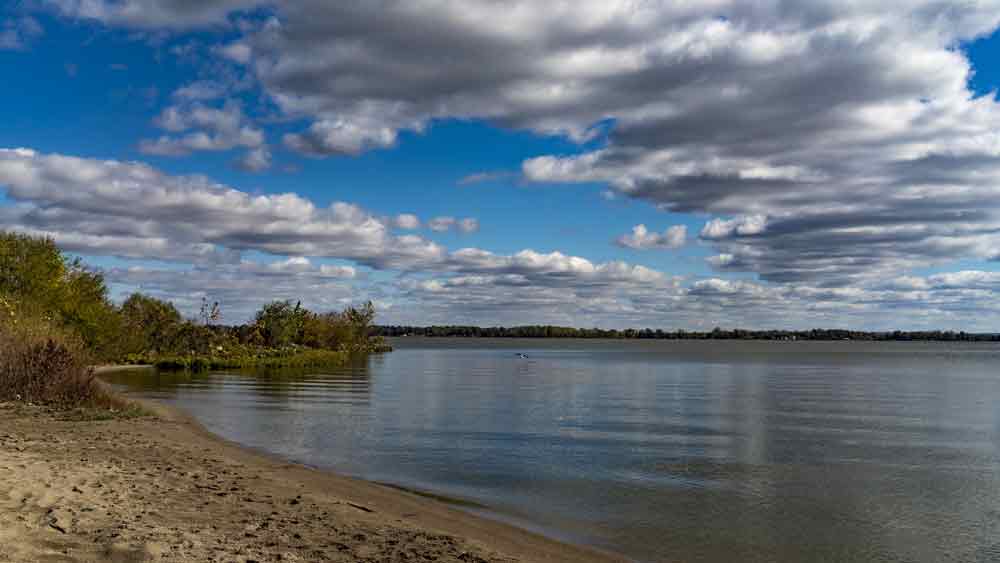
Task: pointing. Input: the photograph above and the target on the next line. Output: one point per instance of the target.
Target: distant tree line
(549, 331)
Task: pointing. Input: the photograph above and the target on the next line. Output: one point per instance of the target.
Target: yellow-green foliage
(280, 324)
(149, 324)
(283, 334)
(44, 293)
(259, 358)
(42, 282)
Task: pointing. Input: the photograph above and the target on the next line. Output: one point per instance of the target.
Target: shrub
(281, 323)
(40, 365)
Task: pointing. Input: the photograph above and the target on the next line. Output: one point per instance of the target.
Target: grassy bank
(260, 359)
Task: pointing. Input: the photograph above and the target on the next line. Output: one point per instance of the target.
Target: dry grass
(39, 365)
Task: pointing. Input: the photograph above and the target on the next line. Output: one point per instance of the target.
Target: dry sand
(163, 488)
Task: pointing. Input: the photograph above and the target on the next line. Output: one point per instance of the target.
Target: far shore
(98, 370)
(164, 488)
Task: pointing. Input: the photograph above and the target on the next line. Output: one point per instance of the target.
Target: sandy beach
(162, 488)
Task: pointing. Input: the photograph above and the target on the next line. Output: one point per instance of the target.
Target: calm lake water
(662, 451)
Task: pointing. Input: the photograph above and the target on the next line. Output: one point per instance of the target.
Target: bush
(281, 323)
(41, 366)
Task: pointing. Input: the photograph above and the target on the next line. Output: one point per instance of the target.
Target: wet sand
(163, 488)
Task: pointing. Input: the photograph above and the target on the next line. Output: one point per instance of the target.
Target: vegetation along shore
(91, 475)
(549, 331)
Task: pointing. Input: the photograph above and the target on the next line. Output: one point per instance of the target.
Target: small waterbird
(522, 355)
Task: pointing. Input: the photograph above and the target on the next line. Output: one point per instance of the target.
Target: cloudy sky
(613, 163)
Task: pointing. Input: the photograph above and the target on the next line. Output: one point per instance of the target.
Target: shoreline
(253, 506)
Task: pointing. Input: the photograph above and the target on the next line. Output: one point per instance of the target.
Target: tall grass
(259, 358)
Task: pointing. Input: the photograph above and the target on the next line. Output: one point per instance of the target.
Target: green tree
(32, 270)
(38, 277)
(280, 323)
(150, 324)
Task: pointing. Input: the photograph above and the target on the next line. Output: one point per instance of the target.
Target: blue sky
(421, 174)
(784, 143)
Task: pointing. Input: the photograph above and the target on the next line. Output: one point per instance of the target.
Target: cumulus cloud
(200, 90)
(133, 210)
(407, 221)
(701, 304)
(203, 128)
(238, 52)
(255, 160)
(337, 136)
(717, 108)
(641, 239)
(151, 14)
(717, 229)
(441, 224)
(734, 111)
(468, 225)
(88, 203)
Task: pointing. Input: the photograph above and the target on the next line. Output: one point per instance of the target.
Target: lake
(688, 451)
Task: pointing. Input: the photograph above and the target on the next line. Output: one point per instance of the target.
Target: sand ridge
(153, 489)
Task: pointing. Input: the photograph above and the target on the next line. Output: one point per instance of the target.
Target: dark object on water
(522, 356)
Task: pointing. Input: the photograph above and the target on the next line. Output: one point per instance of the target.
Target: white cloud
(204, 128)
(441, 224)
(242, 288)
(407, 221)
(148, 213)
(723, 109)
(200, 90)
(297, 266)
(468, 225)
(151, 14)
(712, 108)
(741, 226)
(641, 239)
(445, 223)
(134, 211)
(255, 160)
(340, 137)
(237, 52)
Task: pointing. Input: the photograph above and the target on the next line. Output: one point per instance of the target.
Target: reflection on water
(689, 451)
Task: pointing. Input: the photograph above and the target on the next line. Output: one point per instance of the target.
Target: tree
(150, 324)
(32, 270)
(36, 275)
(280, 323)
(87, 311)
